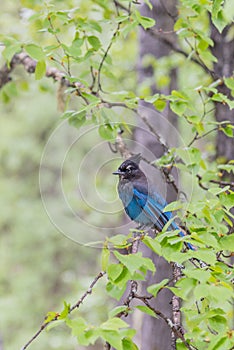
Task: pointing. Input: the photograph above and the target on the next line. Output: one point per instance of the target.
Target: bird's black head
(129, 169)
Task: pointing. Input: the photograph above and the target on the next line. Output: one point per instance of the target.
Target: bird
(142, 203)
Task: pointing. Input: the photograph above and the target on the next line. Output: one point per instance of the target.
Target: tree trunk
(224, 51)
(154, 333)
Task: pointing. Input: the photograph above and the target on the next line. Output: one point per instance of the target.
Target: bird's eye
(129, 168)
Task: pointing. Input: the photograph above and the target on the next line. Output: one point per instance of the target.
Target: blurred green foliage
(40, 267)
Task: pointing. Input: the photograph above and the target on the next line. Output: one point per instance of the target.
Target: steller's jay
(142, 203)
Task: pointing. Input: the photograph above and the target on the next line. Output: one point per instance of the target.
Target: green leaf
(105, 258)
(200, 275)
(160, 104)
(114, 323)
(155, 288)
(216, 8)
(94, 25)
(145, 22)
(227, 242)
(77, 119)
(217, 190)
(220, 21)
(114, 271)
(218, 323)
(152, 99)
(113, 338)
(11, 50)
(65, 311)
(118, 240)
(173, 206)
(35, 52)
(227, 167)
(128, 344)
(51, 315)
(134, 262)
(227, 131)
(107, 132)
(95, 42)
(146, 310)
(194, 119)
(79, 329)
(117, 310)
(178, 107)
(147, 2)
(205, 255)
(40, 70)
(115, 291)
(153, 244)
(229, 82)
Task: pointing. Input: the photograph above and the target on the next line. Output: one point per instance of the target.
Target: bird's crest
(136, 158)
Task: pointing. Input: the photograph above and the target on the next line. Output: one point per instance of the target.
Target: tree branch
(29, 65)
(72, 308)
(176, 313)
(171, 325)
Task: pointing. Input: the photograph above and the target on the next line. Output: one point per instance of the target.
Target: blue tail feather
(176, 227)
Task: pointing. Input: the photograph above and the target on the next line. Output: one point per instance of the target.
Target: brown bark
(154, 333)
(224, 52)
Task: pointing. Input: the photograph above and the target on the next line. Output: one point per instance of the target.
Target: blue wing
(152, 208)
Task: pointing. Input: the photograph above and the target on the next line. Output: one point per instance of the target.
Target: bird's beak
(118, 172)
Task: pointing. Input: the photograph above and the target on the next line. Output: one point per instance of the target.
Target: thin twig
(29, 64)
(198, 137)
(75, 306)
(179, 332)
(218, 182)
(105, 55)
(60, 44)
(176, 313)
(152, 129)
